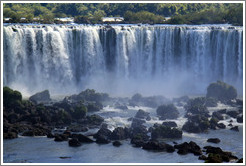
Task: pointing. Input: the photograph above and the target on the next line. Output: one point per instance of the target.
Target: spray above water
(122, 60)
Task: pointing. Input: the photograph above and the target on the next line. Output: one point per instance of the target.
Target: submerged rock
(165, 132)
(214, 140)
(117, 143)
(190, 147)
(74, 142)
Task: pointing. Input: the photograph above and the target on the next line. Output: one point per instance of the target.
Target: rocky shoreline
(68, 119)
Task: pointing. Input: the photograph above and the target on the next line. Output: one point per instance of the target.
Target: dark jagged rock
(169, 124)
(197, 106)
(94, 120)
(217, 115)
(196, 124)
(50, 135)
(94, 107)
(82, 138)
(41, 97)
(186, 148)
(221, 91)
(240, 160)
(211, 102)
(213, 123)
(233, 114)
(214, 140)
(117, 143)
(216, 154)
(103, 132)
(221, 125)
(118, 134)
(77, 128)
(60, 138)
(222, 111)
(235, 128)
(167, 111)
(202, 157)
(169, 148)
(102, 140)
(74, 142)
(137, 140)
(240, 119)
(10, 135)
(165, 132)
(141, 114)
(154, 145)
(137, 122)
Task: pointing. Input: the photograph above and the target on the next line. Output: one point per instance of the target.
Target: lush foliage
(188, 13)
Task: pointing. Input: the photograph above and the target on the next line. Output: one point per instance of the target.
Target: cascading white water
(120, 59)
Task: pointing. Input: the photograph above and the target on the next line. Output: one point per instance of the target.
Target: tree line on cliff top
(180, 13)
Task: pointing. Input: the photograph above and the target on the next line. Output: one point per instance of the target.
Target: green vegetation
(180, 13)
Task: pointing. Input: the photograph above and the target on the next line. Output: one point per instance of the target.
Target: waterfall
(130, 58)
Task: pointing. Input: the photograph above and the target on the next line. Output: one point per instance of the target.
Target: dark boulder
(41, 97)
(165, 132)
(154, 145)
(118, 134)
(138, 140)
(10, 135)
(217, 115)
(61, 137)
(141, 114)
(50, 135)
(235, 128)
(216, 154)
(74, 142)
(169, 148)
(196, 124)
(233, 114)
(214, 140)
(196, 106)
(240, 160)
(94, 107)
(240, 119)
(136, 122)
(77, 128)
(82, 138)
(102, 140)
(167, 111)
(117, 143)
(186, 148)
(169, 124)
(221, 91)
(103, 132)
(211, 102)
(94, 120)
(221, 125)
(222, 111)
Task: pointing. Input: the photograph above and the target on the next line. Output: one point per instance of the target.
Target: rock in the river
(217, 115)
(10, 135)
(186, 148)
(74, 142)
(154, 145)
(118, 134)
(117, 143)
(240, 119)
(169, 124)
(165, 132)
(214, 140)
(167, 111)
(102, 140)
(221, 91)
(61, 137)
(235, 128)
(41, 97)
(233, 114)
(141, 114)
(82, 138)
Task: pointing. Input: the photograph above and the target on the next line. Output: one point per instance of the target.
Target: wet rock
(117, 143)
(50, 135)
(102, 140)
(154, 145)
(222, 111)
(190, 147)
(197, 106)
(82, 138)
(235, 128)
(221, 91)
(217, 115)
(196, 124)
(240, 119)
(137, 122)
(77, 128)
(141, 114)
(221, 125)
(165, 132)
(214, 140)
(233, 114)
(230, 124)
(211, 102)
(94, 120)
(169, 148)
(118, 134)
(41, 97)
(60, 138)
(103, 132)
(216, 154)
(202, 157)
(74, 142)
(10, 135)
(169, 124)
(240, 160)
(94, 107)
(167, 111)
